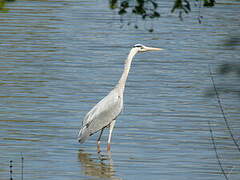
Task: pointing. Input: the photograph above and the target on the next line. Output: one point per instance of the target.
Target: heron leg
(110, 134)
(98, 140)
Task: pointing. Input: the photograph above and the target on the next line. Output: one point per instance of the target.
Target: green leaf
(122, 11)
(209, 3)
(113, 4)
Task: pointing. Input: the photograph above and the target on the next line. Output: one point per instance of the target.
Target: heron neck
(127, 66)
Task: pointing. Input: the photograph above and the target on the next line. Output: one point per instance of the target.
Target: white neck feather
(127, 66)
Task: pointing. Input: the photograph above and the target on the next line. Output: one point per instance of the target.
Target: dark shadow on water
(97, 165)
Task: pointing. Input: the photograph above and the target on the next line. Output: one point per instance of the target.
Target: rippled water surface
(59, 58)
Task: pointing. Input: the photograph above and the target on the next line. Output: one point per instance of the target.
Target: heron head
(142, 48)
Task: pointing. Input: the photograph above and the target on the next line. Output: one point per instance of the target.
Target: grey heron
(105, 112)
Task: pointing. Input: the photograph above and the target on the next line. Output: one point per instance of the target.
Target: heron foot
(98, 147)
(108, 147)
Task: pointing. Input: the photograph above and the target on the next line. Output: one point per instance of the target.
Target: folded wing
(101, 115)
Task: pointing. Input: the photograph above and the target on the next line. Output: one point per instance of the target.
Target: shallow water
(59, 58)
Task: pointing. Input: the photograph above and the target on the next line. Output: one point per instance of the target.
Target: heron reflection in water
(99, 166)
(104, 113)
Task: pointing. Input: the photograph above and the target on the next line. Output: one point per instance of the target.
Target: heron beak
(153, 49)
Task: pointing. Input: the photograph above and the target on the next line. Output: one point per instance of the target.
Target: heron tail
(83, 134)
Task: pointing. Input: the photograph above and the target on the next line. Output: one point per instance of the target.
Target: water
(59, 58)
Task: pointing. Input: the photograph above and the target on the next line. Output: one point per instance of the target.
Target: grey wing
(101, 115)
